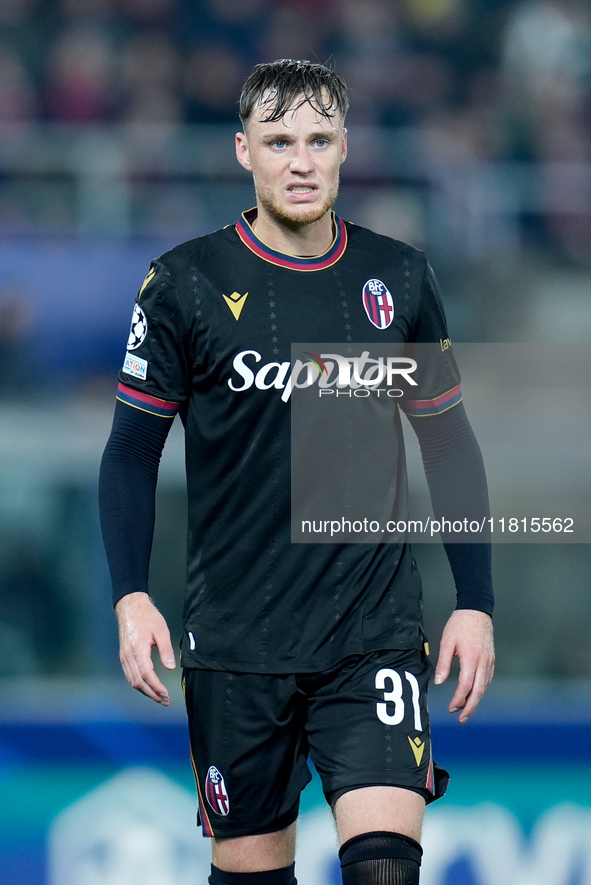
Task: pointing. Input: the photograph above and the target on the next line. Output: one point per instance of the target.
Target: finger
(464, 687)
(460, 698)
(141, 675)
(480, 681)
(443, 663)
(150, 684)
(153, 688)
(165, 650)
(472, 700)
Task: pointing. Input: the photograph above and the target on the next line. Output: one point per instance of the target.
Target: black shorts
(363, 723)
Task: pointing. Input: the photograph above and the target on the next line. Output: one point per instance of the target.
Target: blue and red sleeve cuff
(421, 408)
(145, 402)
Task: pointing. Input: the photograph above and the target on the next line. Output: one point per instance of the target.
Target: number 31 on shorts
(390, 711)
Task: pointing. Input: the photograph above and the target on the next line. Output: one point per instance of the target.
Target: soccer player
(292, 650)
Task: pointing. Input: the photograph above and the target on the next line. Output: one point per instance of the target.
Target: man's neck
(306, 240)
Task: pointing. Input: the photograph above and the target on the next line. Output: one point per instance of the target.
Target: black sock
(283, 876)
(381, 858)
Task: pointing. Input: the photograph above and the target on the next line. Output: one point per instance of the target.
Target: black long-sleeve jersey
(212, 338)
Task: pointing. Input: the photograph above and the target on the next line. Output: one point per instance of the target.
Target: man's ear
(344, 148)
(242, 152)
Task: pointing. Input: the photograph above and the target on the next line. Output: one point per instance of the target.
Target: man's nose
(301, 161)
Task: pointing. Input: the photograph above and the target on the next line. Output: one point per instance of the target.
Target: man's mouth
(301, 189)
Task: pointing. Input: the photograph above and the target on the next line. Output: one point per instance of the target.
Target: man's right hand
(141, 627)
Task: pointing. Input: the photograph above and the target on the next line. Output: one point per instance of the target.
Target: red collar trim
(292, 262)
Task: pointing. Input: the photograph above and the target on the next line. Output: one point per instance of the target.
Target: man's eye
(279, 144)
(321, 142)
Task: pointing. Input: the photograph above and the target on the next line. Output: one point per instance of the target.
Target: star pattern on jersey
(195, 280)
(273, 316)
(406, 264)
(345, 305)
(388, 745)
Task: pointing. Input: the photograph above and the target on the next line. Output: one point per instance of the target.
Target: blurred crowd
(502, 78)
(480, 80)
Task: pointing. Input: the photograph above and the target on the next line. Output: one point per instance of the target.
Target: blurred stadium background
(470, 136)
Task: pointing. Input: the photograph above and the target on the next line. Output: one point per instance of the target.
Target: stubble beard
(299, 216)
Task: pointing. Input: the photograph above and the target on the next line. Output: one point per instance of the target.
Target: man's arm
(457, 485)
(127, 487)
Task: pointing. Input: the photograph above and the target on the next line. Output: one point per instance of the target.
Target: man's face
(295, 162)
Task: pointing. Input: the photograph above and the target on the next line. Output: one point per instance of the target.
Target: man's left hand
(468, 635)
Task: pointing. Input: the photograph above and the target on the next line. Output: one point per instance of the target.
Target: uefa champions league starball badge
(139, 328)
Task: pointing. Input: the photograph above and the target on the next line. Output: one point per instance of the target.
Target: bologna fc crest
(378, 303)
(215, 791)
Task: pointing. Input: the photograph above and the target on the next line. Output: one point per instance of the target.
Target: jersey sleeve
(127, 486)
(457, 485)
(438, 379)
(155, 374)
